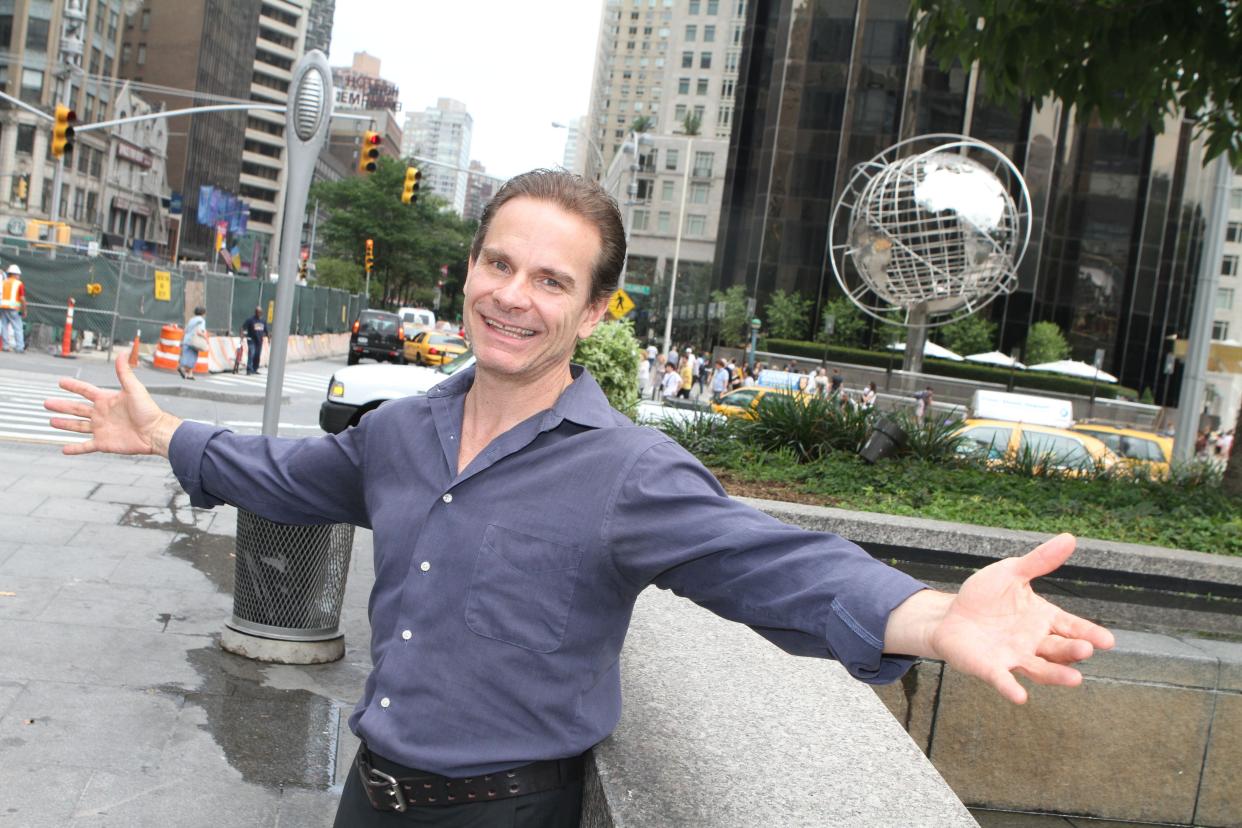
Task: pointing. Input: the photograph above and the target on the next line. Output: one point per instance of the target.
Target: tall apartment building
(669, 68)
(480, 187)
(319, 25)
(441, 133)
(236, 50)
(1224, 375)
(37, 37)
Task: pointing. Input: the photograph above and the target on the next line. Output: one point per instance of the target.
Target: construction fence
(116, 297)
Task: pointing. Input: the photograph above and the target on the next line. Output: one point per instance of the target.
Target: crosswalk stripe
(48, 437)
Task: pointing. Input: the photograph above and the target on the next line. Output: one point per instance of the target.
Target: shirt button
(424, 566)
(384, 702)
(448, 498)
(407, 635)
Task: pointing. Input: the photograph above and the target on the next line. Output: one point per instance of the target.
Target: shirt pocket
(522, 589)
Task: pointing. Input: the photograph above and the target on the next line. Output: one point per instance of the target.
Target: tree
(642, 124)
(338, 273)
(787, 315)
(849, 326)
(1045, 343)
(691, 125)
(412, 242)
(971, 335)
(735, 321)
(1132, 62)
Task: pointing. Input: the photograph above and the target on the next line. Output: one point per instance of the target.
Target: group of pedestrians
(194, 341)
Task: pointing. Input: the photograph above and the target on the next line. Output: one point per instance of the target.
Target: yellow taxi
(744, 401)
(432, 348)
(999, 441)
(1143, 450)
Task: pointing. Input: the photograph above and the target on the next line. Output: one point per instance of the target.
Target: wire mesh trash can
(289, 580)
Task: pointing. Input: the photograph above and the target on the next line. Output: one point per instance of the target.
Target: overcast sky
(517, 66)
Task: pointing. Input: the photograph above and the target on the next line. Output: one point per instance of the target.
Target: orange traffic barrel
(203, 365)
(168, 349)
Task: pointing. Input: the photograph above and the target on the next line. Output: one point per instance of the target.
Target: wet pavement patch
(275, 738)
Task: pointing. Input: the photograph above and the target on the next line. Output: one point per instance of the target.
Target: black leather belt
(396, 793)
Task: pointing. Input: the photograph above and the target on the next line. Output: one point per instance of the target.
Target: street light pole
(681, 220)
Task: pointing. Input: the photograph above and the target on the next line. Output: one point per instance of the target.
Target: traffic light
(369, 261)
(23, 188)
(409, 194)
(62, 132)
(368, 156)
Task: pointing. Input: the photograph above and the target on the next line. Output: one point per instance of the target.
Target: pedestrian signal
(409, 193)
(368, 156)
(62, 131)
(93, 288)
(369, 261)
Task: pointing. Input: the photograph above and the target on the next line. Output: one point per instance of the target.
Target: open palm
(997, 624)
(119, 422)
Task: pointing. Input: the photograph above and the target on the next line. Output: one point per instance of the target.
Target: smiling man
(516, 519)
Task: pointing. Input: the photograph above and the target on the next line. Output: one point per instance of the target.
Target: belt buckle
(377, 780)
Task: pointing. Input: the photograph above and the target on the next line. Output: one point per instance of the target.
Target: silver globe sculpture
(936, 234)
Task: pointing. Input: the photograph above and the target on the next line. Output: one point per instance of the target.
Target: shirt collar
(583, 402)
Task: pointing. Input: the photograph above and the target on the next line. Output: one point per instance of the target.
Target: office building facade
(441, 133)
(1118, 219)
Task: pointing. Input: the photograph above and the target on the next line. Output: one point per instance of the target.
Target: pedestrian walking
(193, 342)
(868, 397)
(254, 329)
(720, 380)
(507, 570)
(13, 310)
(922, 403)
(835, 382)
(670, 385)
(686, 371)
(644, 375)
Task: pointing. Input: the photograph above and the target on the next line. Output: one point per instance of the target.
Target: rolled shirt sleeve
(810, 593)
(309, 481)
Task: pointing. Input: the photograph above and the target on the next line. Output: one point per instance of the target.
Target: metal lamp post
(681, 221)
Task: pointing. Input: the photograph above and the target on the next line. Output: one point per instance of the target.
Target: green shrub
(611, 355)
(935, 440)
(1045, 343)
(808, 426)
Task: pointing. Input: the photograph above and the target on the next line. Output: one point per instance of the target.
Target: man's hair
(575, 195)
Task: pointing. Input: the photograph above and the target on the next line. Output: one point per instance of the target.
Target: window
(92, 207)
(992, 440)
(1229, 266)
(699, 193)
(698, 113)
(670, 159)
(683, 86)
(1233, 231)
(731, 61)
(709, 34)
(705, 60)
(25, 138)
(703, 164)
(663, 220)
(1224, 299)
(701, 87)
(6, 30)
(32, 86)
(696, 225)
(687, 61)
(692, 33)
(640, 219)
(1220, 330)
(726, 88)
(666, 191)
(125, 50)
(36, 34)
(645, 189)
(1054, 450)
(146, 20)
(713, 6)
(694, 6)
(1235, 199)
(679, 112)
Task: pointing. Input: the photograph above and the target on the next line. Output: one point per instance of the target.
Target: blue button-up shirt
(503, 591)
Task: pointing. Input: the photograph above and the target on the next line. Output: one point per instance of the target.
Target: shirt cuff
(857, 621)
(185, 455)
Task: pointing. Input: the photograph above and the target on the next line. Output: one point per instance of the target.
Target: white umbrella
(1074, 368)
(930, 349)
(996, 358)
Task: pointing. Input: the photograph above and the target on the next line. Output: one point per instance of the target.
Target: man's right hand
(120, 422)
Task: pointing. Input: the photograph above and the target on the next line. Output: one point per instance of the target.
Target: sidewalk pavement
(117, 705)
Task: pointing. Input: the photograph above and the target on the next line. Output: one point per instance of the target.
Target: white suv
(357, 389)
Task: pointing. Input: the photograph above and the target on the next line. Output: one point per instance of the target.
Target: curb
(213, 396)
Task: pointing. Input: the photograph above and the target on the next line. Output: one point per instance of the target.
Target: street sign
(163, 286)
(620, 304)
(755, 323)
(644, 290)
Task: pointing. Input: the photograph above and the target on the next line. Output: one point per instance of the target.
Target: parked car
(1141, 449)
(744, 401)
(379, 335)
(431, 348)
(1001, 441)
(355, 390)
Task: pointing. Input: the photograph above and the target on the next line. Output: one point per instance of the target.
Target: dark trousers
(561, 808)
(256, 351)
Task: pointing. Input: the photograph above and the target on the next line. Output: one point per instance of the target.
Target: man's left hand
(996, 625)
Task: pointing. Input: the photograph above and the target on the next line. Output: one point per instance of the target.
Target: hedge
(1031, 380)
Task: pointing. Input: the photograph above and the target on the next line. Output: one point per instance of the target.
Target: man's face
(527, 294)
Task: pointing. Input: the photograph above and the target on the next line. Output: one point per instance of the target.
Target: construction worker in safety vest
(13, 310)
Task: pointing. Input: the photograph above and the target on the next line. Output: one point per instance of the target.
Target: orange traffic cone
(66, 344)
(133, 351)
